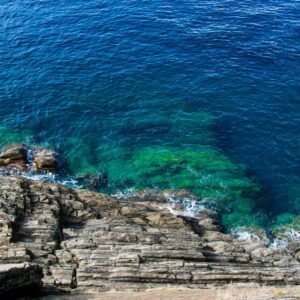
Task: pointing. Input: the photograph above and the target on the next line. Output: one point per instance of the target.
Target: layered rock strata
(86, 241)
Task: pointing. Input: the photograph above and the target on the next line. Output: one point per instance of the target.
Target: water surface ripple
(98, 75)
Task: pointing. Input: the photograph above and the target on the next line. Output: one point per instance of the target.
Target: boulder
(14, 155)
(45, 160)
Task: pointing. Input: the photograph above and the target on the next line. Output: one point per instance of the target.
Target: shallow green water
(164, 94)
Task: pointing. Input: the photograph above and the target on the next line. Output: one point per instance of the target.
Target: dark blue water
(88, 77)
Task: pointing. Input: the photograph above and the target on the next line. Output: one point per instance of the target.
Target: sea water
(201, 95)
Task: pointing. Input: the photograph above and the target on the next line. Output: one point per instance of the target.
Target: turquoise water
(164, 94)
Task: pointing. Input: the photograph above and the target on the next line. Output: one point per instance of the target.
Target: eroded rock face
(86, 241)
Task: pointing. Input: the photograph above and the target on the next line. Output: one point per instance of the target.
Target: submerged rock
(94, 181)
(45, 160)
(206, 172)
(14, 155)
(87, 241)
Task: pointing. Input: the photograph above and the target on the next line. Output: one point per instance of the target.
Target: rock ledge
(86, 241)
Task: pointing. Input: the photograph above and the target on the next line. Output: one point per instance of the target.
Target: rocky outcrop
(86, 241)
(20, 157)
(45, 160)
(14, 156)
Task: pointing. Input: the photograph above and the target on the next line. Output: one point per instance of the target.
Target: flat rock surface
(229, 292)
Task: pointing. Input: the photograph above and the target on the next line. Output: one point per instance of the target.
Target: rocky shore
(72, 240)
(62, 240)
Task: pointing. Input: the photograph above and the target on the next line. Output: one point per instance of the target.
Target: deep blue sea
(109, 84)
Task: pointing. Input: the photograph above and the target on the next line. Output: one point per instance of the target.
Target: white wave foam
(70, 182)
(243, 234)
(188, 207)
(184, 206)
(120, 195)
(280, 243)
(289, 235)
(50, 177)
(293, 234)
